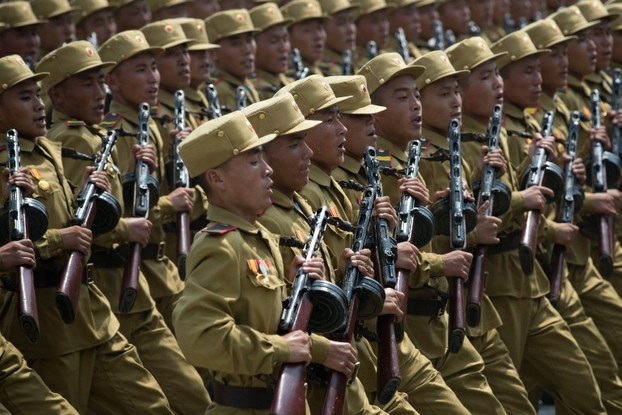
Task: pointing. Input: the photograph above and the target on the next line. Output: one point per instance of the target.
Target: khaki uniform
(601, 81)
(196, 104)
(331, 63)
(266, 83)
(226, 85)
(90, 349)
(143, 326)
(161, 273)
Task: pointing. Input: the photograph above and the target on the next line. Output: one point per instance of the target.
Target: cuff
(281, 349)
(320, 346)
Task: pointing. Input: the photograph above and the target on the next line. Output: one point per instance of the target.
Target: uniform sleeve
(50, 245)
(206, 330)
(430, 266)
(319, 348)
(119, 234)
(166, 208)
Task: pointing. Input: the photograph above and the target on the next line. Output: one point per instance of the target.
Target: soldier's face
(361, 134)
(617, 46)
(402, 120)
(132, 16)
(408, 19)
(201, 9)
(554, 68)
(603, 39)
(327, 140)
(101, 22)
(582, 55)
(373, 26)
(309, 37)
(273, 49)
(341, 32)
(442, 102)
(81, 96)
(23, 41)
(523, 82)
(237, 55)
(200, 66)
(482, 90)
(56, 31)
(21, 108)
(290, 159)
(174, 68)
(428, 15)
(135, 80)
(172, 12)
(455, 16)
(481, 12)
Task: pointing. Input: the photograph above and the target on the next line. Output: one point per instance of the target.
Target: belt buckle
(160, 253)
(442, 303)
(89, 273)
(355, 372)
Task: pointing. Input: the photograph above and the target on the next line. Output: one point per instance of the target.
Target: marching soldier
(58, 27)
(168, 9)
(131, 14)
(19, 33)
(372, 25)
(202, 9)
(405, 15)
(340, 37)
(94, 20)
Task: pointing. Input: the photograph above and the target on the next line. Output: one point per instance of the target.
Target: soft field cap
(14, 70)
(156, 5)
(616, 8)
(68, 60)
(331, 7)
(437, 66)
(85, 8)
(278, 115)
(401, 3)
(518, 45)
(229, 23)
(571, 21)
(300, 10)
(594, 10)
(124, 45)
(471, 53)
(45, 9)
(370, 6)
(385, 67)
(267, 15)
(354, 86)
(17, 14)
(218, 140)
(165, 34)
(312, 94)
(546, 34)
(194, 29)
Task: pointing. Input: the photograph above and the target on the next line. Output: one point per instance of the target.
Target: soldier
(131, 14)
(482, 13)
(58, 27)
(306, 33)
(76, 360)
(616, 29)
(168, 9)
(233, 30)
(134, 79)
(75, 126)
(227, 319)
(372, 25)
(405, 15)
(428, 15)
(273, 48)
(20, 31)
(455, 16)
(340, 37)
(202, 9)
(94, 20)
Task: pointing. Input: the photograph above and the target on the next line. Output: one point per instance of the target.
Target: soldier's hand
(604, 204)
(138, 230)
(487, 226)
(407, 256)
(146, 154)
(76, 238)
(615, 118)
(182, 199)
(17, 253)
(383, 209)
(314, 267)
(98, 178)
(342, 357)
(22, 178)
(600, 134)
(617, 198)
(565, 234)
(360, 259)
(578, 169)
(393, 301)
(457, 264)
(534, 197)
(548, 143)
(299, 347)
(179, 135)
(415, 188)
(494, 158)
(439, 195)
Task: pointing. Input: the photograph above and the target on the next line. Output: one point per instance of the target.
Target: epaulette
(111, 120)
(215, 228)
(153, 110)
(384, 157)
(75, 123)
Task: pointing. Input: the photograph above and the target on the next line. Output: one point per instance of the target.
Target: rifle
(474, 29)
(450, 37)
(508, 24)
(181, 179)
(68, 289)
(438, 40)
(240, 98)
(300, 70)
(616, 144)
(536, 173)
(141, 202)
(346, 62)
(487, 193)
(388, 371)
(365, 299)
(457, 236)
(212, 100)
(372, 50)
(566, 210)
(402, 44)
(21, 227)
(312, 305)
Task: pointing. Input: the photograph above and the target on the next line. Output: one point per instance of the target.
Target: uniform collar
(471, 125)
(129, 114)
(436, 139)
(318, 176)
(221, 215)
(166, 98)
(350, 164)
(513, 111)
(280, 199)
(395, 152)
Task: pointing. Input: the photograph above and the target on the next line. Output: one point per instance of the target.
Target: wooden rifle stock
(456, 314)
(388, 371)
(181, 179)
(557, 273)
(477, 283)
(183, 242)
(129, 287)
(27, 311)
(529, 241)
(403, 287)
(606, 241)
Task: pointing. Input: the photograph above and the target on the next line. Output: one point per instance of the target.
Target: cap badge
(168, 28)
(239, 18)
(89, 51)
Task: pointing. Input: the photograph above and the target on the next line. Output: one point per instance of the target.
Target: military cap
(14, 70)
(156, 5)
(354, 86)
(594, 10)
(437, 66)
(125, 45)
(165, 33)
(471, 53)
(69, 60)
(278, 115)
(385, 67)
(616, 8)
(370, 6)
(228, 23)
(194, 30)
(518, 45)
(218, 140)
(17, 14)
(267, 15)
(424, 3)
(46, 9)
(301, 10)
(85, 8)
(546, 34)
(571, 21)
(312, 94)
(119, 3)
(401, 3)
(330, 7)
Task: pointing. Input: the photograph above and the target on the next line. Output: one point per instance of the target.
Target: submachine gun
(300, 70)
(212, 101)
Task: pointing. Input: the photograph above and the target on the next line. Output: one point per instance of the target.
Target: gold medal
(44, 185)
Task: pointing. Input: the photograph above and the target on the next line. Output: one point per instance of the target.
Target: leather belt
(242, 397)
(153, 252)
(109, 258)
(43, 278)
(507, 242)
(195, 226)
(432, 304)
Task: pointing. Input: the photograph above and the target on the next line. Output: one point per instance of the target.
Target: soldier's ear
(214, 178)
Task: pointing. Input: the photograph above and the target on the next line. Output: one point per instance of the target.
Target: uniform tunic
(226, 86)
(267, 83)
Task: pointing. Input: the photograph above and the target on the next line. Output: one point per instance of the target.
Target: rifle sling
(242, 397)
(425, 305)
(507, 242)
(116, 258)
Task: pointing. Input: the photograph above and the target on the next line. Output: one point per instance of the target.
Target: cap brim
(323, 18)
(238, 32)
(31, 76)
(202, 46)
(560, 41)
(61, 12)
(262, 140)
(176, 43)
(27, 23)
(103, 65)
(285, 22)
(494, 57)
(154, 50)
(303, 126)
(366, 110)
(332, 102)
(415, 70)
(343, 9)
(538, 53)
(374, 10)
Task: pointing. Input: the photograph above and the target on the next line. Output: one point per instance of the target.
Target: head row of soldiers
(238, 343)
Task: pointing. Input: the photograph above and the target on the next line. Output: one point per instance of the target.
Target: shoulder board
(75, 123)
(215, 228)
(384, 157)
(153, 110)
(110, 120)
